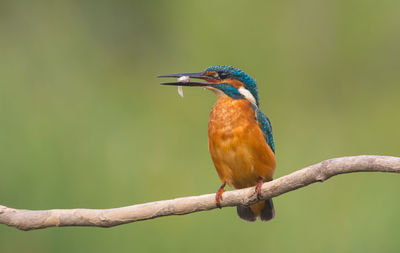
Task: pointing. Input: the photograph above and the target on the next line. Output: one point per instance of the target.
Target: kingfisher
(240, 137)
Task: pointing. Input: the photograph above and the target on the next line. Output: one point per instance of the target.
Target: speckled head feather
(235, 73)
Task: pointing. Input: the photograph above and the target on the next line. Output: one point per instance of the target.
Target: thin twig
(35, 219)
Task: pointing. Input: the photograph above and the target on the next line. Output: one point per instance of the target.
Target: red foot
(258, 188)
(218, 196)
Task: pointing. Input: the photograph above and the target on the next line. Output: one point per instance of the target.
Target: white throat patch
(217, 92)
(247, 95)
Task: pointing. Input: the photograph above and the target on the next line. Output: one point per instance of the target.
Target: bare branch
(35, 219)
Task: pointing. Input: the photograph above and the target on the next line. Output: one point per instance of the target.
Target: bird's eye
(223, 75)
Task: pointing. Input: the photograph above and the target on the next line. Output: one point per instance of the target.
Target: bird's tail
(263, 209)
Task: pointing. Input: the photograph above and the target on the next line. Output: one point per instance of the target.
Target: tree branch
(35, 219)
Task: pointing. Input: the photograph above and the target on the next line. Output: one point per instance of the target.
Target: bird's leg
(218, 196)
(258, 188)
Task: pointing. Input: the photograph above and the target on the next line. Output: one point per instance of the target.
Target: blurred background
(84, 122)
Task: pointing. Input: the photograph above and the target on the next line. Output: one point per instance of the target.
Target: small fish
(183, 79)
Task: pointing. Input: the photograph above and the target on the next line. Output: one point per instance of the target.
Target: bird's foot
(218, 195)
(258, 188)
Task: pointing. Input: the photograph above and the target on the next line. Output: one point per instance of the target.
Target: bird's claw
(218, 195)
(258, 189)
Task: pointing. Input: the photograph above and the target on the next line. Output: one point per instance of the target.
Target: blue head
(232, 75)
(229, 80)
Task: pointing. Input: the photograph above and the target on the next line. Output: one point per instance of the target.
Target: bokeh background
(84, 123)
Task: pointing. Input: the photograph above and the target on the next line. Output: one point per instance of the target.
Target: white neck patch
(247, 95)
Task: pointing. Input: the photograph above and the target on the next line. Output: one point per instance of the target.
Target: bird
(240, 137)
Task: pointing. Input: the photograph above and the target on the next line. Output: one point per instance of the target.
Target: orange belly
(237, 145)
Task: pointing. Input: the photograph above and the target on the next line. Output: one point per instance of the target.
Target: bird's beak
(199, 75)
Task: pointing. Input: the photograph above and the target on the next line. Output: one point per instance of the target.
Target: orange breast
(237, 145)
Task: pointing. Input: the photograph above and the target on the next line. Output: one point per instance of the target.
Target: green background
(84, 123)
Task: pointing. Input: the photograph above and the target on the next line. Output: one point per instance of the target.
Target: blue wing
(266, 127)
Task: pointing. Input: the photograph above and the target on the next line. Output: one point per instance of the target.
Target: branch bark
(36, 219)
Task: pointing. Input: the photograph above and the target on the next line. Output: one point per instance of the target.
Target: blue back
(266, 127)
